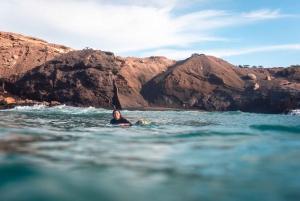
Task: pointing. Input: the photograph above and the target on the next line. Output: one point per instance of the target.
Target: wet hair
(121, 117)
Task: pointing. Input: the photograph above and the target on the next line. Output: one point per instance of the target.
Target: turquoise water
(67, 153)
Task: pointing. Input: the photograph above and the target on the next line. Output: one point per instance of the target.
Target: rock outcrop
(10, 101)
(251, 76)
(268, 78)
(256, 86)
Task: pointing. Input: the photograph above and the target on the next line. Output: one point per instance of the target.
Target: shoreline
(162, 109)
(14, 105)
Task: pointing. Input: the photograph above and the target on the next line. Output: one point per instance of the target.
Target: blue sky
(254, 32)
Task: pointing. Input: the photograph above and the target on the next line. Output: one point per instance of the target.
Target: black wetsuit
(120, 121)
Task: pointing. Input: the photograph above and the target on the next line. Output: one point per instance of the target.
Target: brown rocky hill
(34, 69)
(210, 83)
(19, 53)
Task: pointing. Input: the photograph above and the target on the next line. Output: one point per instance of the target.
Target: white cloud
(263, 14)
(183, 54)
(155, 3)
(226, 53)
(148, 3)
(122, 26)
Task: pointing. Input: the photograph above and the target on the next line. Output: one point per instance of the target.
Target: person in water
(119, 120)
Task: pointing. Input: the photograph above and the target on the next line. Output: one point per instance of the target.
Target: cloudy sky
(254, 32)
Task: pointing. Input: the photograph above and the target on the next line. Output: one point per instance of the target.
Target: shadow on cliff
(153, 89)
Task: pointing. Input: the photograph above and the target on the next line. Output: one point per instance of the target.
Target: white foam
(59, 106)
(294, 112)
(60, 109)
(29, 108)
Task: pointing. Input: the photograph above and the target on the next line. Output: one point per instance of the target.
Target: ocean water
(68, 153)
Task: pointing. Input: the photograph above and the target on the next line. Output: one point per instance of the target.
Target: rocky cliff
(19, 53)
(34, 69)
(49, 72)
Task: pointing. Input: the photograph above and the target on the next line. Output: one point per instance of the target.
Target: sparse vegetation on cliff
(292, 73)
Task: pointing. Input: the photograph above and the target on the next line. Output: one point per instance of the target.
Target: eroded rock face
(133, 74)
(79, 78)
(19, 54)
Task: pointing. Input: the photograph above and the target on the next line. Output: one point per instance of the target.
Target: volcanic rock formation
(35, 70)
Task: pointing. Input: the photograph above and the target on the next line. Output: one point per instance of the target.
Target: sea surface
(67, 153)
